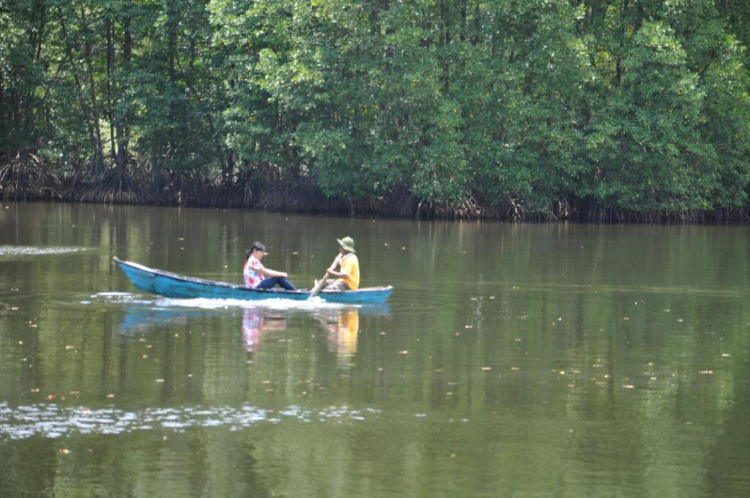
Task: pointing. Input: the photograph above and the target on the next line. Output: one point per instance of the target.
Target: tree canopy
(593, 109)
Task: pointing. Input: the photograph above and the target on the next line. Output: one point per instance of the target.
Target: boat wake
(315, 303)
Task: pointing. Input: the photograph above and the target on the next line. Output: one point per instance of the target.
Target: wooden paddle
(316, 290)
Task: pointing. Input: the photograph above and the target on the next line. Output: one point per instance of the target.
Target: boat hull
(179, 286)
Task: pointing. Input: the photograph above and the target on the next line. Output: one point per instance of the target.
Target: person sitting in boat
(257, 276)
(347, 278)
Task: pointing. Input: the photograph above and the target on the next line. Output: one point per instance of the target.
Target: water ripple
(16, 251)
(54, 421)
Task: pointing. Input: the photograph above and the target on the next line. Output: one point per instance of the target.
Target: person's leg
(336, 285)
(267, 283)
(286, 284)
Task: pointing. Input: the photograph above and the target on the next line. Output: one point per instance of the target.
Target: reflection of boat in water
(172, 285)
(141, 319)
(341, 324)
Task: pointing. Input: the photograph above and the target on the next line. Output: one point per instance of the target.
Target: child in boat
(257, 276)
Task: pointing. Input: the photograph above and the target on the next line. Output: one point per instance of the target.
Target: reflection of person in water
(256, 321)
(252, 322)
(342, 329)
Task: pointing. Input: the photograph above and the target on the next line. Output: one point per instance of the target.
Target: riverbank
(28, 179)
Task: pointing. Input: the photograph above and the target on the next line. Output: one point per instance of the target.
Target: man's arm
(335, 273)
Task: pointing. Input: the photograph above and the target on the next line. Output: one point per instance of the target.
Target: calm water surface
(512, 360)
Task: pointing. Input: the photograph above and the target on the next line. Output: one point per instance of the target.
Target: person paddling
(257, 276)
(347, 278)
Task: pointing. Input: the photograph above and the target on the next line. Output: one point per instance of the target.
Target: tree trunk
(111, 87)
(89, 54)
(123, 131)
(446, 40)
(74, 71)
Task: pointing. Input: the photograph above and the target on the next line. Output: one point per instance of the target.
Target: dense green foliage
(548, 108)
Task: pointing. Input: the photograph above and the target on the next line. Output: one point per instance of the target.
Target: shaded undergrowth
(26, 178)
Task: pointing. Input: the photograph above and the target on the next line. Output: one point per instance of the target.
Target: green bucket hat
(347, 243)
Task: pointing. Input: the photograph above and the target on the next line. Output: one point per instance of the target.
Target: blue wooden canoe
(172, 285)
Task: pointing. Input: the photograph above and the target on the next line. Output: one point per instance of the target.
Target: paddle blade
(316, 290)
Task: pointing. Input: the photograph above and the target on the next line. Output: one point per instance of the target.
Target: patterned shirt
(251, 273)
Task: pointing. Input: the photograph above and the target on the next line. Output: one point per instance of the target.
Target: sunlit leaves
(514, 105)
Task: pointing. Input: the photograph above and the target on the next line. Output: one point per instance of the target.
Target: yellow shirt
(350, 266)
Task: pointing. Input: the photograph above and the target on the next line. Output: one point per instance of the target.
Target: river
(515, 360)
